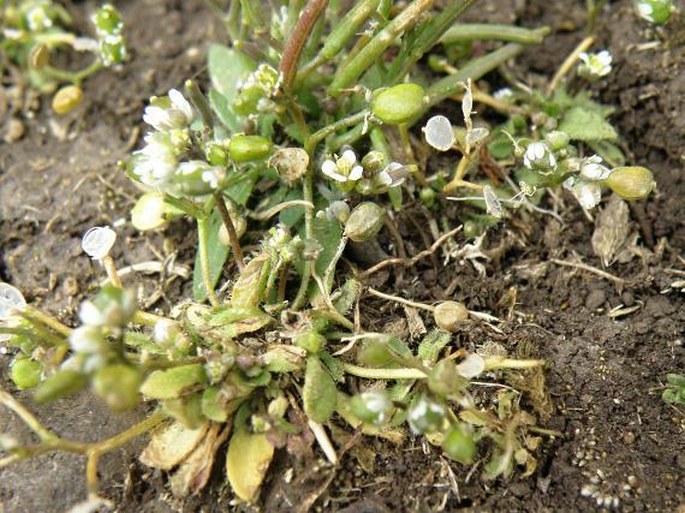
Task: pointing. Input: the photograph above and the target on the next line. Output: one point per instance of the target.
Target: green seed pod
(118, 386)
(365, 221)
(426, 415)
(427, 196)
(64, 383)
(107, 19)
(26, 373)
(245, 148)
(149, 212)
(444, 379)
(67, 99)
(460, 445)
(39, 56)
(631, 182)
(449, 314)
(312, 342)
(245, 102)
(398, 104)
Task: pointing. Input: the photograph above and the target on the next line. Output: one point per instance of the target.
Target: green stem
(184, 205)
(321, 134)
(464, 32)
(349, 74)
(75, 77)
(203, 239)
(200, 102)
(35, 315)
(474, 70)
(374, 373)
(308, 196)
(428, 38)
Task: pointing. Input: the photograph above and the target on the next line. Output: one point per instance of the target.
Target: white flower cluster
(349, 174)
(539, 157)
(585, 186)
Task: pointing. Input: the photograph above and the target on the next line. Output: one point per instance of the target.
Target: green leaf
(213, 406)
(218, 254)
(248, 288)
(240, 189)
(247, 462)
(227, 67)
(584, 124)
(319, 394)
(172, 383)
(328, 234)
(347, 296)
(609, 151)
(224, 111)
(432, 344)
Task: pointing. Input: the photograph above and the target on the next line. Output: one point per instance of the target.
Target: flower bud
(118, 386)
(557, 139)
(398, 104)
(365, 221)
(631, 182)
(311, 342)
(373, 407)
(64, 383)
(67, 99)
(39, 56)
(245, 148)
(444, 379)
(426, 415)
(26, 373)
(654, 11)
(374, 161)
(459, 444)
(449, 314)
(427, 196)
(149, 212)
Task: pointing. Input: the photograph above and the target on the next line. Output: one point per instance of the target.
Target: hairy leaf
(217, 256)
(319, 393)
(247, 462)
(171, 444)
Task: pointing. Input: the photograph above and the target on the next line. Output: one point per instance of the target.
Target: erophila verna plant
(305, 143)
(34, 30)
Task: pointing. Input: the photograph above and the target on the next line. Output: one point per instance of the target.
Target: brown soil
(620, 438)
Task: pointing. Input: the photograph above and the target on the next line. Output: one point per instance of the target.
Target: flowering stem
(230, 228)
(297, 40)
(349, 74)
(320, 135)
(35, 315)
(375, 373)
(568, 63)
(75, 77)
(307, 195)
(110, 268)
(202, 235)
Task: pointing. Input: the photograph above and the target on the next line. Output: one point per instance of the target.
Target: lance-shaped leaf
(171, 444)
(247, 462)
(249, 287)
(432, 344)
(319, 393)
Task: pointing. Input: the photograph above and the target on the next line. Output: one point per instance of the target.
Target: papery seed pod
(11, 299)
(631, 182)
(64, 383)
(290, 163)
(118, 386)
(365, 221)
(439, 133)
(449, 314)
(312, 342)
(459, 444)
(245, 148)
(39, 56)
(98, 241)
(398, 104)
(26, 373)
(67, 99)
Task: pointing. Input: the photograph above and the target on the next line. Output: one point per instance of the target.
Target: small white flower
(645, 10)
(90, 314)
(588, 194)
(167, 114)
(156, 163)
(38, 19)
(439, 133)
(87, 339)
(98, 241)
(539, 156)
(344, 168)
(503, 94)
(595, 65)
(592, 170)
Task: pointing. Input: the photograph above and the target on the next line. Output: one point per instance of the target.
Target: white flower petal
(349, 157)
(356, 173)
(179, 101)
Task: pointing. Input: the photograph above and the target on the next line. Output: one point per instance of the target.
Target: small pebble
(15, 130)
(595, 299)
(627, 298)
(629, 437)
